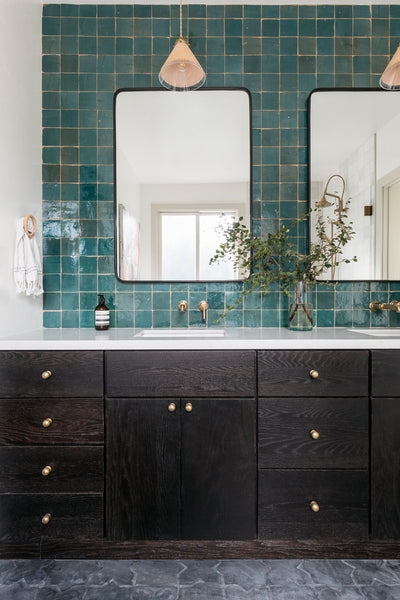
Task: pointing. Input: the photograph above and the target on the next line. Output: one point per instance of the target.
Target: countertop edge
(239, 339)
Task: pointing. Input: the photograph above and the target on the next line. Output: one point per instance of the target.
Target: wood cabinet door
(385, 477)
(143, 469)
(218, 461)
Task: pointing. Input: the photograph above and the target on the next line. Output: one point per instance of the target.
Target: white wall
(20, 148)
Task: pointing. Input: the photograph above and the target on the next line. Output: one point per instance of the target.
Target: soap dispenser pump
(101, 315)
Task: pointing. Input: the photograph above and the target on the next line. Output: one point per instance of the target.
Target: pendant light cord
(180, 19)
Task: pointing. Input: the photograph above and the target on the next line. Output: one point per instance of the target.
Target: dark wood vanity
(217, 453)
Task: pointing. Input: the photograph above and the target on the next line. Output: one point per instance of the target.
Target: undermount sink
(386, 332)
(181, 333)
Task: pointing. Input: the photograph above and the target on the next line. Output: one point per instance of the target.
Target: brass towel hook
(30, 234)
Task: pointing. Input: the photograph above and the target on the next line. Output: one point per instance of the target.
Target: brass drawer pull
(47, 422)
(188, 407)
(314, 434)
(46, 374)
(46, 519)
(314, 506)
(46, 471)
(314, 374)
(172, 407)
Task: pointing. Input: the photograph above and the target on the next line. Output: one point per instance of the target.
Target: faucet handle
(395, 305)
(203, 307)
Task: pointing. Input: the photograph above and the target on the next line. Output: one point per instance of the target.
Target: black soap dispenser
(101, 315)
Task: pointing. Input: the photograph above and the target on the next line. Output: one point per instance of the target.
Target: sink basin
(384, 332)
(181, 333)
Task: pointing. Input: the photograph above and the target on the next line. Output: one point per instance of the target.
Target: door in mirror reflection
(354, 140)
(182, 175)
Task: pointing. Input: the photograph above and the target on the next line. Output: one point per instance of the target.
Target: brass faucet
(394, 305)
(203, 307)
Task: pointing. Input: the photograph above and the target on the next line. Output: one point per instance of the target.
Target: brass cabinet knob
(314, 434)
(46, 518)
(314, 374)
(46, 470)
(188, 407)
(46, 374)
(314, 506)
(172, 407)
(47, 422)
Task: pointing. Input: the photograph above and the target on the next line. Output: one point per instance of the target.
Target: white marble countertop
(234, 339)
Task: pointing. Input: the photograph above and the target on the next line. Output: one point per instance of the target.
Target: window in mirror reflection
(188, 241)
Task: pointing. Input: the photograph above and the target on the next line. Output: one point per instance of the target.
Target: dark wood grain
(143, 473)
(385, 478)
(77, 469)
(284, 439)
(385, 373)
(74, 421)
(284, 504)
(179, 373)
(219, 478)
(74, 374)
(72, 516)
(19, 550)
(287, 373)
(216, 550)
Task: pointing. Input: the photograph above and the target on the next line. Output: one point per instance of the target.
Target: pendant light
(390, 79)
(181, 71)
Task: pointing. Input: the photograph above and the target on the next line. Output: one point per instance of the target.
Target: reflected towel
(27, 263)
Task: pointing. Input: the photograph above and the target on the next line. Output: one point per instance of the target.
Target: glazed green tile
(88, 210)
(51, 10)
(70, 318)
(361, 318)
(69, 210)
(325, 318)
(124, 318)
(70, 228)
(106, 246)
(70, 301)
(88, 246)
(143, 301)
(69, 118)
(87, 45)
(51, 319)
(161, 318)
(105, 228)
(51, 301)
(87, 282)
(51, 282)
(51, 246)
(69, 173)
(51, 264)
(379, 319)
(51, 229)
(143, 318)
(105, 211)
(51, 44)
(86, 319)
(88, 228)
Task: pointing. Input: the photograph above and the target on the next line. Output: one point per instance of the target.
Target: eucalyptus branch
(276, 259)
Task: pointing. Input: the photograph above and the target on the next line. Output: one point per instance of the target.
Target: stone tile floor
(200, 580)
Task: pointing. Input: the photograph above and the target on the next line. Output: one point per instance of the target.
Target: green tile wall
(280, 53)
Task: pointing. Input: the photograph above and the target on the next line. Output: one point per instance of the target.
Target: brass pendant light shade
(181, 71)
(390, 79)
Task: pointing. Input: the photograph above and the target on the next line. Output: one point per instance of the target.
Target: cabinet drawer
(385, 373)
(72, 516)
(180, 373)
(76, 469)
(73, 374)
(285, 511)
(288, 373)
(308, 433)
(72, 421)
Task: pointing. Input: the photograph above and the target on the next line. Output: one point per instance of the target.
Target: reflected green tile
(87, 282)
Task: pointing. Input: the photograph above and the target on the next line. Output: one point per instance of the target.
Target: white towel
(27, 263)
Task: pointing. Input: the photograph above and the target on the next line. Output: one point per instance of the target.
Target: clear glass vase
(300, 308)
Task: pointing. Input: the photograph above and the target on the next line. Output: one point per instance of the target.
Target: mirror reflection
(182, 173)
(355, 159)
